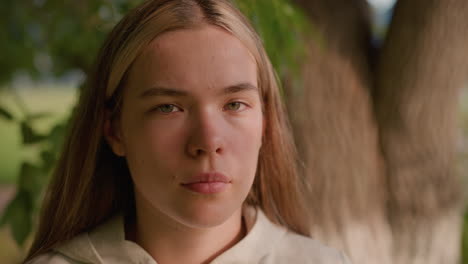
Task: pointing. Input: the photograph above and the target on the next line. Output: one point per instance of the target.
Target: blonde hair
(90, 183)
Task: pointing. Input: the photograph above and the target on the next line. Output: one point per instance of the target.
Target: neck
(168, 241)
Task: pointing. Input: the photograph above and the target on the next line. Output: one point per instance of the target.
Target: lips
(207, 183)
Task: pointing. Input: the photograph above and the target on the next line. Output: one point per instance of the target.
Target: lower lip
(206, 187)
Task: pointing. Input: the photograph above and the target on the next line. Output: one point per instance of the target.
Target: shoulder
(53, 257)
(285, 246)
(73, 251)
(301, 249)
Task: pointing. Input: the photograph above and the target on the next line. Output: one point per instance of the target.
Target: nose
(206, 137)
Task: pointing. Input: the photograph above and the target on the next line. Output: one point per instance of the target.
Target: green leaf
(31, 179)
(57, 135)
(19, 215)
(48, 159)
(5, 114)
(465, 238)
(29, 135)
(40, 115)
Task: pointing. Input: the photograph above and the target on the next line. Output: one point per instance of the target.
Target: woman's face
(191, 125)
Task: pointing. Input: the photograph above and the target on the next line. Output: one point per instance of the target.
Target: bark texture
(337, 134)
(378, 142)
(424, 63)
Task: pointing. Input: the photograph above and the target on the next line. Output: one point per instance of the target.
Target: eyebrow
(165, 91)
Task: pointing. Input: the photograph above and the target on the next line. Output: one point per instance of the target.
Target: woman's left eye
(234, 106)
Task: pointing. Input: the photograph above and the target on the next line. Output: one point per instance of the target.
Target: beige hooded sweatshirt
(265, 243)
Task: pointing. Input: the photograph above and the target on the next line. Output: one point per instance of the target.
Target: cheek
(163, 138)
(154, 146)
(246, 142)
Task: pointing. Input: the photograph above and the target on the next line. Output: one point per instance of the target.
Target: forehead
(204, 57)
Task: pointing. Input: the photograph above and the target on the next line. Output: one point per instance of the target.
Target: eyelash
(158, 107)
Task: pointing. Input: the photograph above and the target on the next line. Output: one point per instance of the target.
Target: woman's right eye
(167, 108)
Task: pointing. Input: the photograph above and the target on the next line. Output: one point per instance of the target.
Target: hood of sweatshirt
(107, 243)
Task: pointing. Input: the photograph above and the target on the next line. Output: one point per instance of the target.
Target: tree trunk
(423, 65)
(332, 117)
(377, 143)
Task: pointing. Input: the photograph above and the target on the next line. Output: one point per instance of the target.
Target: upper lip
(207, 177)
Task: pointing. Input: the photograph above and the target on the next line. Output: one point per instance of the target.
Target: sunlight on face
(191, 125)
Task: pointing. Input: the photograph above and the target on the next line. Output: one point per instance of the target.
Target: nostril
(201, 152)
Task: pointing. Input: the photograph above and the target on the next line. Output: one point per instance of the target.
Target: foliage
(32, 177)
(282, 27)
(51, 38)
(54, 36)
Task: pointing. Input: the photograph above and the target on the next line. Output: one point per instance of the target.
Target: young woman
(179, 150)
